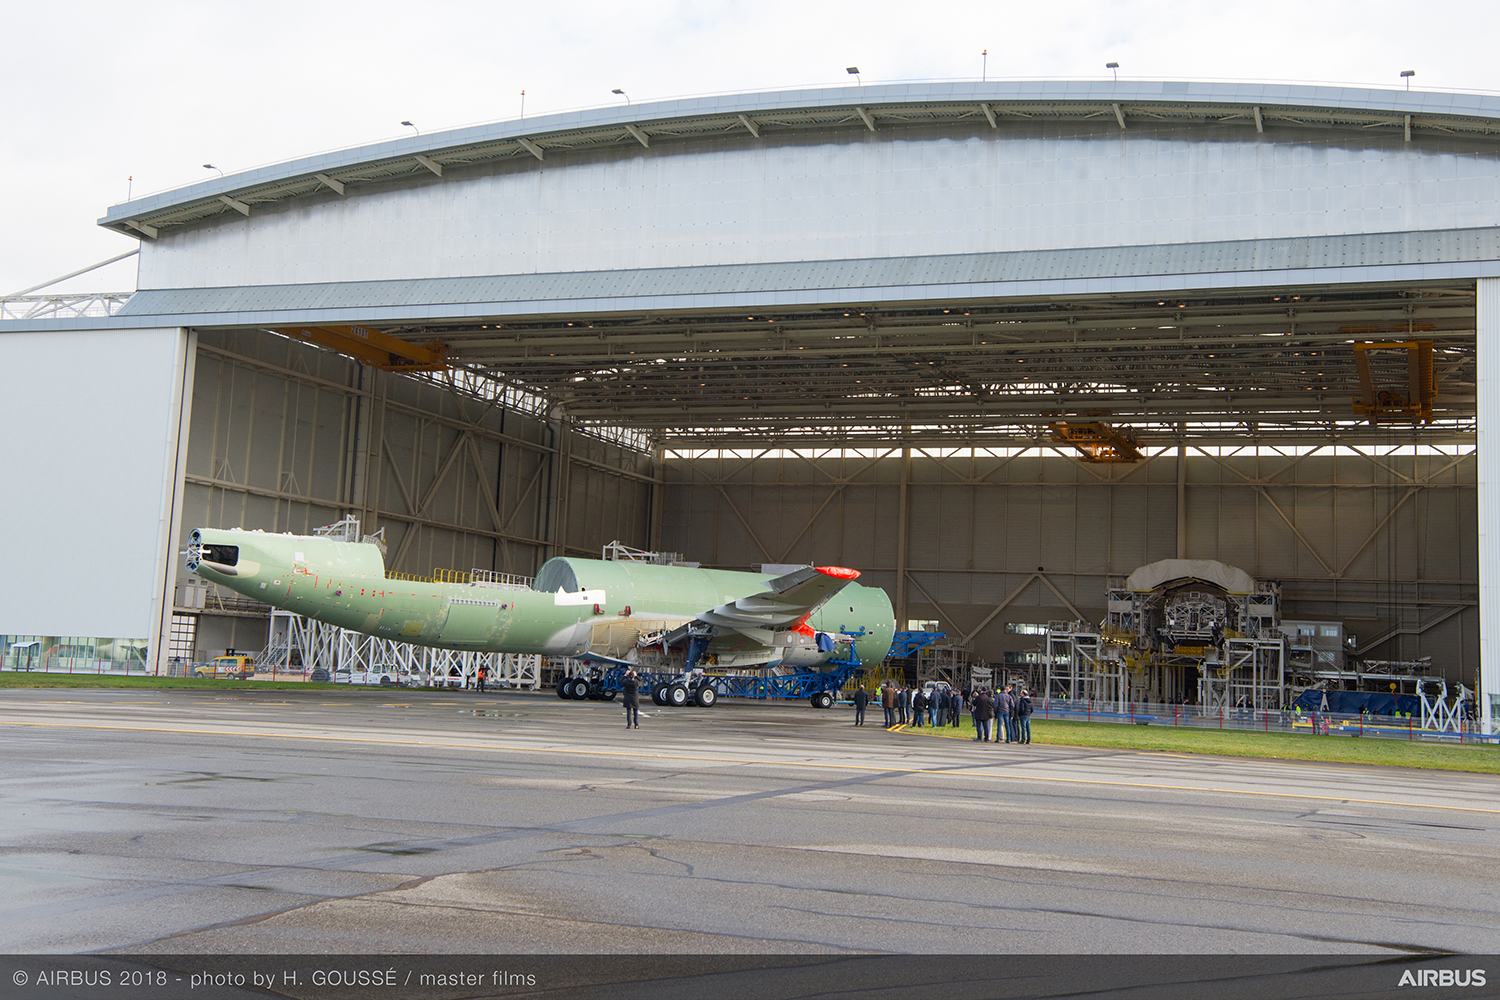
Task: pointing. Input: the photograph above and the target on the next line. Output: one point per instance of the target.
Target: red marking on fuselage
(839, 572)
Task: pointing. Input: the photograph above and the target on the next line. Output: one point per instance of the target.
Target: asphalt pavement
(380, 821)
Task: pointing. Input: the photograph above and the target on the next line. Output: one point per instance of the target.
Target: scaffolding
(1249, 673)
(1187, 638)
(317, 650)
(1082, 665)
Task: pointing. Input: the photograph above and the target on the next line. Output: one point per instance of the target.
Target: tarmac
(392, 821)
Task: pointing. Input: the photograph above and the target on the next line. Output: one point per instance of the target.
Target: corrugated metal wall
(287, 437)
(1385, 544)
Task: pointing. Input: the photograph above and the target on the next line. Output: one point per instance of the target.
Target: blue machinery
(698, 687)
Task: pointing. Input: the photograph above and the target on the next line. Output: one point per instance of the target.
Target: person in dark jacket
(888, 702)
(631, 685)
(1023, 716)
(1002, 714)
(1013, 721)
(861, 699)
(919, 707)
(984, 715)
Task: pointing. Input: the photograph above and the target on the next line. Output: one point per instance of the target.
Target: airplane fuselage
(577, 606)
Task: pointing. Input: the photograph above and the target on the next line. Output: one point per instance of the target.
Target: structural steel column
(1181, 501)
(369, 437)
(562, 481)
(1487, 412)
(903, 536)
(164, 596)
(658, 497)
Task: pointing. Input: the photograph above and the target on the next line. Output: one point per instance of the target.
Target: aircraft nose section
(211, 551)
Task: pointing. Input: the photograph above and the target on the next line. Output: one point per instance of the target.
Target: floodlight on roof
(210, 166)
(1113, 67)
(622, 93)
(854, 72)
(411, 126)
(1407, 74)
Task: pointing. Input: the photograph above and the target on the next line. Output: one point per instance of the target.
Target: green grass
(22, 679)
(1482, 758)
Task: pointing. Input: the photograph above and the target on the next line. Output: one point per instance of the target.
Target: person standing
(1002, 714)
(919, 707)
(481, 674)
(631, 688)
(1023, 715)
(861, 699)
(903, 704)
(888, 702)
(1013, 730)
(984, 714)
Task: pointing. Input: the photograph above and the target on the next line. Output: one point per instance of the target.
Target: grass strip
(1483, 758)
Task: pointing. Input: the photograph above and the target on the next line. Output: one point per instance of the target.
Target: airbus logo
(1442, 977)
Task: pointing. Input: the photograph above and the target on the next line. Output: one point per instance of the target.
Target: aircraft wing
(786, 603)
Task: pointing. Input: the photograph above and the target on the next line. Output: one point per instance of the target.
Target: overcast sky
(97, 92)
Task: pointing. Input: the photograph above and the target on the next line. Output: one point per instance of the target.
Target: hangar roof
(1258, 106)
(1211, 341)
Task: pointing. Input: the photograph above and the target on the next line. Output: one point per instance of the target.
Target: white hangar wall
(910, 190)
(91, 422)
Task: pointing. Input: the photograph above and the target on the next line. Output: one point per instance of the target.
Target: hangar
(998, 345)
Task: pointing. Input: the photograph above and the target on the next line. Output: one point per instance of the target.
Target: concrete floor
(414, 822)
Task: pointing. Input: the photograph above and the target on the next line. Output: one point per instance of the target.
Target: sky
(97, 93)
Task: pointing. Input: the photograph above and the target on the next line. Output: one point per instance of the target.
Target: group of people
(1007, 711)
(930, 706)
(1010, 707)
(1004, 715)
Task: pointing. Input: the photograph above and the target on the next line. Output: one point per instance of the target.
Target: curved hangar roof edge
(855, 108)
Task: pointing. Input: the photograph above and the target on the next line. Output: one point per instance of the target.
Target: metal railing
(1289, 720)
(68, 306)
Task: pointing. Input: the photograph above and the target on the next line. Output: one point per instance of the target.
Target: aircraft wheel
(822, 700)
(565, 687)
(608, 695)
(677, 695)
(579, 688)
(659, 694)
(705, 696)
(593, 692)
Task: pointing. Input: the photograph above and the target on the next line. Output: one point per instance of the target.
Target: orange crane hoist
(1098, 441)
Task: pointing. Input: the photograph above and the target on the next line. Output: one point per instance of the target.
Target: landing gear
(578, 688)
(823, 699)
(565, 688)
(677, 695)
(705, 696)
(659, 694)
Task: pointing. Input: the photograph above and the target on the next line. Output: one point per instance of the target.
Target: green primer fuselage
(344, 584)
